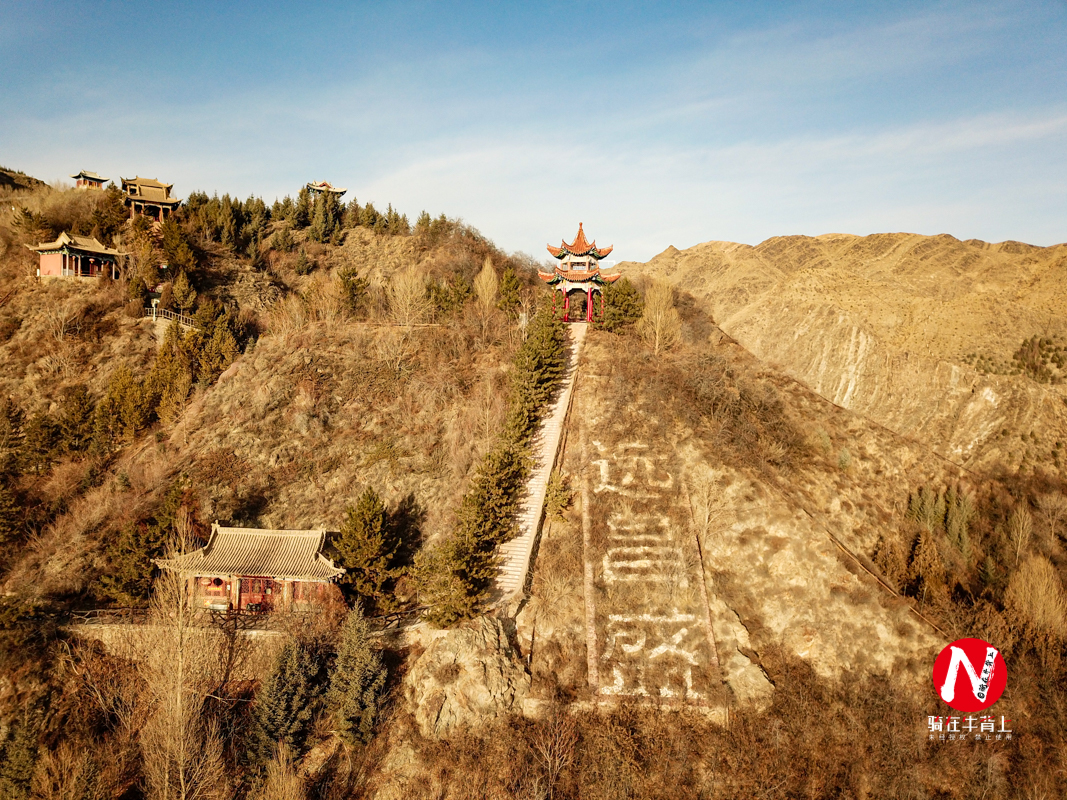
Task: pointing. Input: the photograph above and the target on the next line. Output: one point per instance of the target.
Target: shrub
(844, 459)
(353, 292)
(558, 496)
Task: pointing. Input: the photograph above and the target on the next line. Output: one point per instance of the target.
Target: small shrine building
(72, 256)
(578, 271)
(88, 180)
(319, 187)
(249, 569)
(149, 197)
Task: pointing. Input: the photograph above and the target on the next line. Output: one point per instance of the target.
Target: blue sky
(654, 124)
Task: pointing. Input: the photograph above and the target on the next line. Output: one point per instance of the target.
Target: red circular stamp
(970, 675)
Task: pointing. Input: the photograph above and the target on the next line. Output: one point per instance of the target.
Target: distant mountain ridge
(15, 179)
(917, 332)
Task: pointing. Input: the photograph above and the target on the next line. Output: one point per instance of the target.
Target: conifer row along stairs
(515, 554)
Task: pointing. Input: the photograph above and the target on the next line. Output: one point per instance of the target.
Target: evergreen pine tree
(76, 418)
(622, 306)
(325, 217)
(41, 442)
(539, 365)
(356, 683)
(302, 209)
(367, 547)
(509, 292)
(304, 265)
(285, 704)
(110, 214)
(351, 217)
(176, 249)
(11, 436)
(927, 569)
(18, 758)
(184, 293)
(10, 519)
(368, 217)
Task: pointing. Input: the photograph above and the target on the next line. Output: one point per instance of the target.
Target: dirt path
(516, 553)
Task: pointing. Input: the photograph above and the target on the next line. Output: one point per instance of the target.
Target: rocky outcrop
(469, 675)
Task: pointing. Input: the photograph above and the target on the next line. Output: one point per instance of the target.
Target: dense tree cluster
(457, 575)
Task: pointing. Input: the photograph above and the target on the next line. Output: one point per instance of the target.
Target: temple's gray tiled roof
(282, 555)
(85, 244)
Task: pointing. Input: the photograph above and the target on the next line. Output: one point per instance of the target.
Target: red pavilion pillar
(589, 304)
(566, 306)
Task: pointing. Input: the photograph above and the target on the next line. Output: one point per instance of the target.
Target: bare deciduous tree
(181, 662)
(1053, 510)
(407, 298)
(554, 746)
(660, 326)
(283, 782)
(1036, 597)
(487, 289)
(1020, 527)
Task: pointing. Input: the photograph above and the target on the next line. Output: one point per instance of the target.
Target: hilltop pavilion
(88, 180)
(149, 197)
(320, 187)
(578, 271)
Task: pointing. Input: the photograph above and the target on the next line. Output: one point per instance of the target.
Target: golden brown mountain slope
(917, 332)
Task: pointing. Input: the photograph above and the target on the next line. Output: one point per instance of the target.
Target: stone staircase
(515, 554)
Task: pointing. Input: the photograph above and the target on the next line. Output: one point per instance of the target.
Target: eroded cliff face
(889, 325)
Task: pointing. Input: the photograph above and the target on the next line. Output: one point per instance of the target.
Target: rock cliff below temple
(916, 332)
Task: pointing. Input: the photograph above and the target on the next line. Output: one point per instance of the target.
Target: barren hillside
(920, 333)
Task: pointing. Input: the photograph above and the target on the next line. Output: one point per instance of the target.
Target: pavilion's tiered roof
(579, 247)
(279, 554)
(87, 175)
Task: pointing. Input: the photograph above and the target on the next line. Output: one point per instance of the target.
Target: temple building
(578, 271)
(88, 180)
(149, 197)
(318, 187)
(249, 569)
(72, 256)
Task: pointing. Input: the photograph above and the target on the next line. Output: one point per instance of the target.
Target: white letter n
(979, 685)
